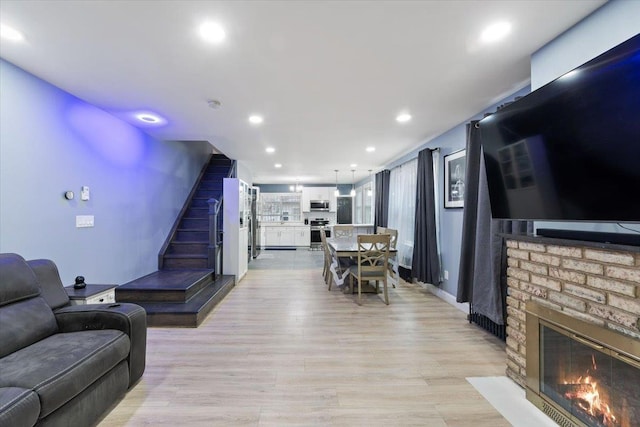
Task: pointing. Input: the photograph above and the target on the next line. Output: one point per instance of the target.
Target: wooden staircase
(184, 290)
(188, 246)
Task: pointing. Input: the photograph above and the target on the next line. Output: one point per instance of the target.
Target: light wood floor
(282, 350)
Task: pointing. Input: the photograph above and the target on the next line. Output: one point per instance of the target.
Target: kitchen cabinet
(302, 236)
(318, 193)
(286, 236)
(275, 207)
(333, 200)
(271, 236)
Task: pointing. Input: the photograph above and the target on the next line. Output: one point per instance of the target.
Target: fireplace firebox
(579, 373)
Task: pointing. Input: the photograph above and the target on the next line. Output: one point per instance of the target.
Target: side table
(92, 294)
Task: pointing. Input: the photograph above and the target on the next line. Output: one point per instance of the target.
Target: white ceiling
(329, 77)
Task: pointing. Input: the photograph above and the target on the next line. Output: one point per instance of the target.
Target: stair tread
(194, 304)
(166, 280)
(187, 256)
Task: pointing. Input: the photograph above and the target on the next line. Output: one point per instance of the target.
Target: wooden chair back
(342, 231)
(373, 262)
(390, 231)
(327, 257)
(373, 254)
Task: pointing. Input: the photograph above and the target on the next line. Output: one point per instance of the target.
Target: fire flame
(587, 398)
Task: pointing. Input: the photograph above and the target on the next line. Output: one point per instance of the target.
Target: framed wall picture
(454, 184)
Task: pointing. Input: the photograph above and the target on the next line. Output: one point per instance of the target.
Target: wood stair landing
(180, 298)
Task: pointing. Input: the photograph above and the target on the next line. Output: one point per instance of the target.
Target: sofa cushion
(88, 407)
(24, 316)
(24, 323)
(51, 287)
(18, 280)
(18, 407)
(59, 367)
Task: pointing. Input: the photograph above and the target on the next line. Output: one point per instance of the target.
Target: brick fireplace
(592, 282)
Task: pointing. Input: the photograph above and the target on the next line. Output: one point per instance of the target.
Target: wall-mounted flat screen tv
(570, 150)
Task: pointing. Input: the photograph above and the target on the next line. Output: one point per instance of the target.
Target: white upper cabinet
(318, 193)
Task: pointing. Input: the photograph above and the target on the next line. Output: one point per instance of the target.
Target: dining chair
(372, 264)
(342, 231)
(326, 272)
(339, 268)
(393, 260)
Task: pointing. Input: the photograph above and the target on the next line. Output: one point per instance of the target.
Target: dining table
(347, 248)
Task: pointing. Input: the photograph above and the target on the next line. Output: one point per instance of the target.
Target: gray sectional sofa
(62, 365)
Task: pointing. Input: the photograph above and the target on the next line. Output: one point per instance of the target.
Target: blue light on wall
(112, 138)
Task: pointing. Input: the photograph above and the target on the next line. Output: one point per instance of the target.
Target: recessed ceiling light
(255, 119)
(403, 117)
(278, 165)
(495, 32)
(150, 118)
(270, 150)
(212, 32)
(353, 165)
(370, 149)
(9, 33)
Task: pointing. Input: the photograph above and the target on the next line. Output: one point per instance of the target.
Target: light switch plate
(446, 275)
(84, 221)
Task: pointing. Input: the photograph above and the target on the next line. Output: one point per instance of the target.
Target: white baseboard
(445, 296)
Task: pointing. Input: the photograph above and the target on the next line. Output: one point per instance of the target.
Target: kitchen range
(317, 224)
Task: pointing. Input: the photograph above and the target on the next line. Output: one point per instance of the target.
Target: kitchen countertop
(283, 224)
(355, 225)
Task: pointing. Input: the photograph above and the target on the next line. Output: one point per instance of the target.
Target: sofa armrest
(131, 319)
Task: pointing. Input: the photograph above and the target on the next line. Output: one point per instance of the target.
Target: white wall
(613, 23)
(244, 173)
(50, 142)
(604, 29)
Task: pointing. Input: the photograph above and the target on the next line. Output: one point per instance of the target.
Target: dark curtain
(482, 274)
(426, 262)
(470, 215)
(381, 217)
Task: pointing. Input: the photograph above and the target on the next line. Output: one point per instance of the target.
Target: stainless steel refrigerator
(255, 231)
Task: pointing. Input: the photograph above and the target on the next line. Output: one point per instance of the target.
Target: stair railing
(214, 257)
(214, 252)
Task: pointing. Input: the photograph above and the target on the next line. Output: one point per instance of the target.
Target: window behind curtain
(402, 207)
(364, 204)
(367, 195)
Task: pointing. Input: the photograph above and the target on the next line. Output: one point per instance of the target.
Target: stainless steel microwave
(319, 205)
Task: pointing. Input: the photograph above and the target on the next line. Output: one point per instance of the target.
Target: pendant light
(352, 193)
(337, 192)
(297, 187)
(370, 190)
